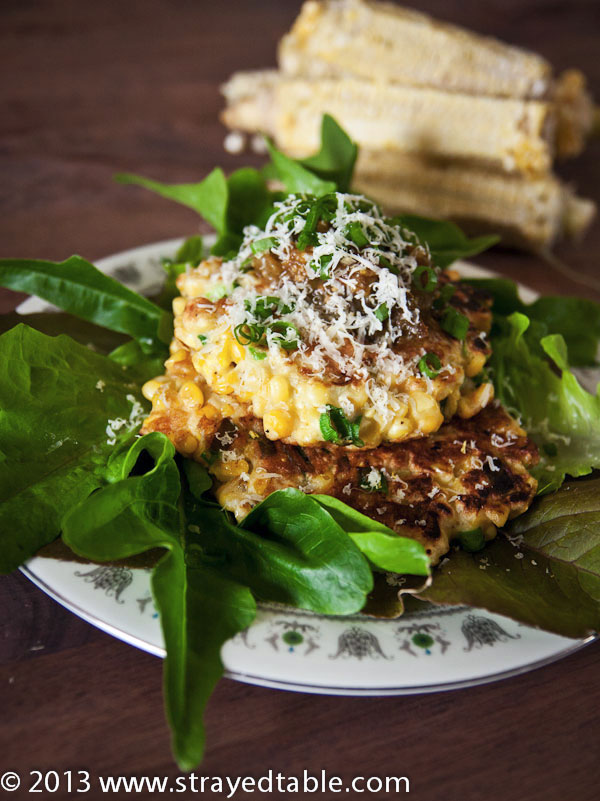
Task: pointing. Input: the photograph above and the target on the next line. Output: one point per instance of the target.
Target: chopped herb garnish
(472, 541)
(425, 278)
(203, 338)
(446, 293)
(245, 333)
(374, 483)
(324, 263)
(382, 312)
(265, 306)
(354, 231)
(217, 292)
(260, 245)
(286, 335)
(455, 323)
(259, 355)
(335, 427)
(430, 365)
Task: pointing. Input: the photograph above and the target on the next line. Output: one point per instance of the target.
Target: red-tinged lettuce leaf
(63, 411)
(547, 575)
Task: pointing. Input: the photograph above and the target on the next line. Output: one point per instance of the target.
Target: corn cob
(531, 212)
(509, 134)
(384, 42)
(389, 44)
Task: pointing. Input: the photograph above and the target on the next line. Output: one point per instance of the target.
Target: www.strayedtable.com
(81, 781)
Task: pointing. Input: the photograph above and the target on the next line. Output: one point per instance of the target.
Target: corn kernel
(210, 412)
(425, 412)
(237, 351)
(233, 469)
(475, 364)
(474, 402)
(198, 360)
(277, 424)
(187, 444)
(316, 392)
(279, 389)
(400, 428)
(150, 388)
(178, 306)
(191, 395)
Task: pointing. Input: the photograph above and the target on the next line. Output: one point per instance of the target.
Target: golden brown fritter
(469, 474)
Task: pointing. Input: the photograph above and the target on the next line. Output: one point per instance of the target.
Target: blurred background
(92, 89)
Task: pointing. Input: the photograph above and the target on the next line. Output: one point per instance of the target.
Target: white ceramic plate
(434, 649)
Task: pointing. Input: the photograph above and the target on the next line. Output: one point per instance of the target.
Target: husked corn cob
(510, 134)
(531, 212)
(384, 42)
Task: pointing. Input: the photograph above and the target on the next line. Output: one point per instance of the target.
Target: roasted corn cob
(510, 134)
(450, 124)
(528, 212)
(389, 44)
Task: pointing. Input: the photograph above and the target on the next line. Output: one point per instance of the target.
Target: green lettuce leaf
(446, 241)
(548, 576)
(532, 377)
(228, 204)
(288, 549)
(577, 320)
(199, 608)
(63, 410)
(337, 156)
(381, 545)
(209, 197)
(296, 178)
(77, 287)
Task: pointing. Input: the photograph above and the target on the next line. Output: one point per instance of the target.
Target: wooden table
(89, 89)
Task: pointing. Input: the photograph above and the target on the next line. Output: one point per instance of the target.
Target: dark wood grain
(89, 89)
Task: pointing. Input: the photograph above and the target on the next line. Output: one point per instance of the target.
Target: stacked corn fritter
(332, 355)
(450, 124)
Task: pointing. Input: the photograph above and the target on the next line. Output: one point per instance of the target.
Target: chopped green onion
(425, 278)
(382, 312)
(446, 293)
(281, 329)
(245, 333)
(259, 355)
(217, 292)
(381, 486)
(335, 427)
(203, 338)
(307, 238)
(265, 306)
(472, 541)
(260, 245)
(455, 323)
(324, 263)
(354, 231)
(430, 365)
